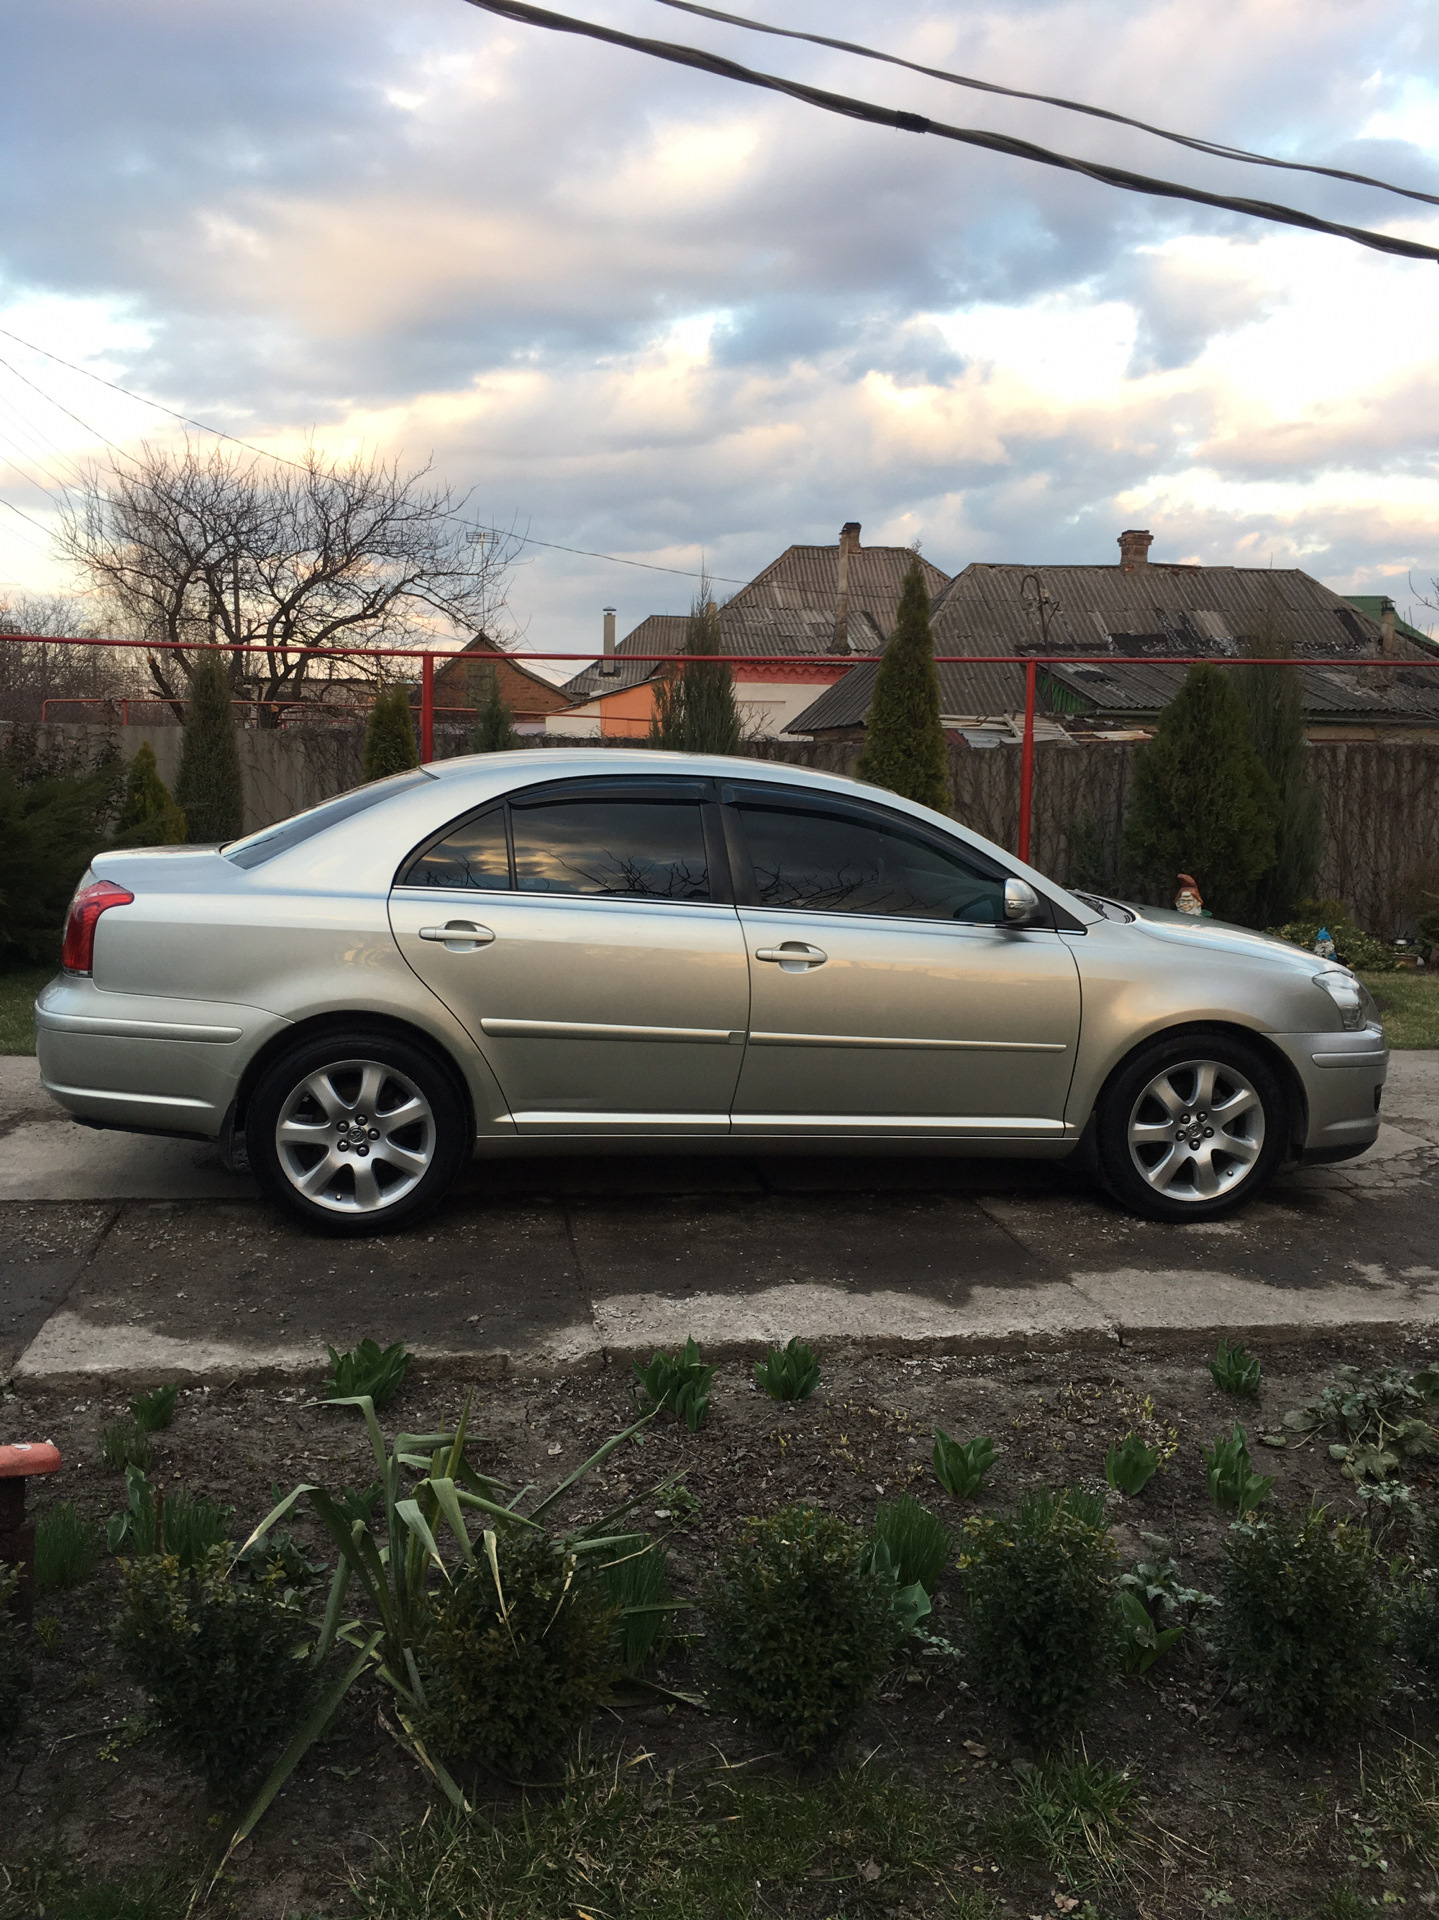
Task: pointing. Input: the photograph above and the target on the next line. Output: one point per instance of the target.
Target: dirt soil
(1229, 1818)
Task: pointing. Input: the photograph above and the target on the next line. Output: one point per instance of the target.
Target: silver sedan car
(623, 950)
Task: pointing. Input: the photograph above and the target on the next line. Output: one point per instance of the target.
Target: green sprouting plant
(1233, 1483)
(1131, 1466)
(962, 1466)
(218, 1659)
(1380, 1421)
(15, 1673)
(918, 1541)
(520, 1654)
(154, 1410)
(1073, 1816)
(1143, 1641)
(125, 1443)
(799, 1628)
(368, 1370)
(682, 1385)
(1043, 1609)
(184, 1524)
(635, 1578)
(1301, 1620)
(1234, 1371)
(1156, 1582)
(67, 1545)
(790, 1372)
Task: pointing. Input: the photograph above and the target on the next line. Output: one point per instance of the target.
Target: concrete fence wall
(1381, 802)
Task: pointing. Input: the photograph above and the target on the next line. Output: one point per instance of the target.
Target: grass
(1404, 1799)
(18, 988)
(1409, 1005)
(66, 1547)
(124, 1443)
(919, 1543)
(49, 1886)
(639, 1846)
(1071, 1816)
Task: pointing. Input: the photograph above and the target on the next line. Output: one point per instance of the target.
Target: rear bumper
(141, 1062)
(1342, 1075)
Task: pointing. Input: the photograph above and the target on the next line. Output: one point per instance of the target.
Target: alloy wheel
(1197, 1130)
(355, 1136)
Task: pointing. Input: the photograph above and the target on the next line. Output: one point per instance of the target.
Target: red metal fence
(427, 657)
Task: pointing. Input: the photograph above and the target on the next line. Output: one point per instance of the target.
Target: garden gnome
(1188, 899)
(1324, 944)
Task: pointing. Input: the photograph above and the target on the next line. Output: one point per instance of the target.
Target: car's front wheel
(1191, 1127)
(356, 1132)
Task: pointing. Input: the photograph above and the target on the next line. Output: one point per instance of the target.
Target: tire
(1191, 1127)
(349, 1178)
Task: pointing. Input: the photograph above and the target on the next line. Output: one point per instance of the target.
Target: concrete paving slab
(58, 1160)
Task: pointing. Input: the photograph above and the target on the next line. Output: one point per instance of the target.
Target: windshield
(257, 848)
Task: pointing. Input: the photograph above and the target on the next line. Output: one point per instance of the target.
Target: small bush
(919, 1543)
(520, 1655)
(962, 1466)
(217, 1658)
(682, 1385)
(798, 1629)
(1043, 1614)
(1233, 1483)
(368, 1369)
(1416, 1607)
(1131, 1466)
(1300, 1620)
(126, 1444)
(1353, 947)
(67, 1545)
(153, 1411)
(790, 1372)
(1234, 1371)
(636, 1584)
(15, 1673)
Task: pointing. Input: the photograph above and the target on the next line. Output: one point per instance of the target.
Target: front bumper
(1342, 1075)
(144, 1062)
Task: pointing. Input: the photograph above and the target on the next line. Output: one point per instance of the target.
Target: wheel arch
(1273, 1056)
(318, 1025)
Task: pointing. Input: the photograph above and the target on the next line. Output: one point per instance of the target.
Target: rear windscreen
(257, 848)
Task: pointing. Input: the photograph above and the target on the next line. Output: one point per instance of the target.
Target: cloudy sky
(650, 313)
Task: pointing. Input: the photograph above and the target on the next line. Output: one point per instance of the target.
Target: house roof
(807, 579)
(488, 649)
(965, 693)
(1328, 692)
(1376, 605)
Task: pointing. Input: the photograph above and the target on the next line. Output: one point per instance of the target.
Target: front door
(888, 997)
(572, 931)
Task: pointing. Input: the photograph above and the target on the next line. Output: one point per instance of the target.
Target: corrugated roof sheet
(807, 579)
(965, 693)
(1327, 690)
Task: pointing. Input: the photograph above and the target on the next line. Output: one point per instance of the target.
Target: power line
(854, 109)
(553, 546)
(1215, 148)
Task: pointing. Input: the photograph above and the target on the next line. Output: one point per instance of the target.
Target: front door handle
(794, 956)
(459, 936)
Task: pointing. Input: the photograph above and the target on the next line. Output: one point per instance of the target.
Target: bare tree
(41, 667)
(209, 545)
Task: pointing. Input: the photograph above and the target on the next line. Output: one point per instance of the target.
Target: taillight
(78, 953)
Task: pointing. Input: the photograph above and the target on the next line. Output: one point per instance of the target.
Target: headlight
(1348, 994)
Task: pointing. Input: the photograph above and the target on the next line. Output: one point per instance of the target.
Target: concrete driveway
(127, 1259)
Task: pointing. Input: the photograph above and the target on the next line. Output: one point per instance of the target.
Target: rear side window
(474, 855)
(640, 849)
(842, 862)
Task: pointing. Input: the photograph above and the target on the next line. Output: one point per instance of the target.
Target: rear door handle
(459, 936)
(794, 956)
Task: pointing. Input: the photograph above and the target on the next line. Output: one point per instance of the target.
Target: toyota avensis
(553, 951)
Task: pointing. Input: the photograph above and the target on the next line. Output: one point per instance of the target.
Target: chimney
(1386, 629)
(609, 664)
(848, 544)
(1134, 545)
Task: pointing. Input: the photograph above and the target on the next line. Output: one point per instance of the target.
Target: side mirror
(1021, 903)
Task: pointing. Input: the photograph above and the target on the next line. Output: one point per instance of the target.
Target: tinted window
(474, 855)
(841, 863)
(257, 848)
(635, 849)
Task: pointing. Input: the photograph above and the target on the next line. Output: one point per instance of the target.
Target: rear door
(583, 934)
(887, 995)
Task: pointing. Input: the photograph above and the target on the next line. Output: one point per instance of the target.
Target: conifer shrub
(148, 814)
(53, 820)
(695, 710)
(494, 729)
(798, 1629)
(218, 1659)
(208, 787)
(1301, 1620)
(390, 744)
(1043, 1615)
(1201, 801)
(1274, 700)
(904, 744)
(15, 1675)
(519, 1656)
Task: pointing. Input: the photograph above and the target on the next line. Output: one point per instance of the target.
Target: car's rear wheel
(1192, 1127)
(357, 1133)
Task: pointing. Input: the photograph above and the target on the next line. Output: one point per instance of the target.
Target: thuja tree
(1200, 801)
(148, 814)
(695, 709)
(494, 730)
(1274, 700)
(905, 747)
(209, 788)
(390, 745)
(53, 821)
